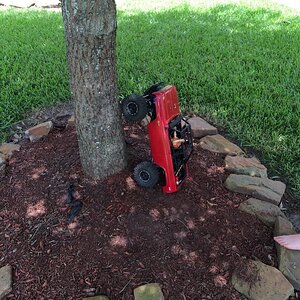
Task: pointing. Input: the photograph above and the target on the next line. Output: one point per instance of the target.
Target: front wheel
(146, 174)
(134, 108)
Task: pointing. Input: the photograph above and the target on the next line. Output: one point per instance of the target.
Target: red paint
(167, 109)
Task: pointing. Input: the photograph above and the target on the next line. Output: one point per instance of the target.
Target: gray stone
(47, 3)
(258, 281)
(150, 291)
(201, 128)
(289, 260)
(283, 226)
(5, 280)
(217, 143)
(100, 297)
(294, 217)
(145, 121)
(29, 3)
(260, 188)
(2, 164)
(7, 149)
(264, 211)
(71, 121)
(245, 166)
(38, 131)
(18, 3)
(2, 159)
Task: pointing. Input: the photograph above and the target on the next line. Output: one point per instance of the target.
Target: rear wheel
(146, 174)
(134, 108)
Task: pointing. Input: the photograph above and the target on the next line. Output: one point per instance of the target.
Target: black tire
(146, 174)
(134, 108)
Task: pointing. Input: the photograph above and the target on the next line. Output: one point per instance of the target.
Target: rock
(65, 113)
(294, 217)
(258, 281)
(47, 3)
(145, 121)
(18, 3)
(217, 143)
(150, 291)
(283, 226)
(2, 159)
(38, 131)
(7, 149)
(5, 281)
(71, 121)
(29, 3)
(61, 119)
(289, 260)
(260, 188)
(264, 211)
(16, 138)
(245, 166)
(2, 164)
(201, 128)
(100, 297)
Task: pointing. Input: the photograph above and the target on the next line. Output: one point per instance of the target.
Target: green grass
(237, 65)
(33, 70)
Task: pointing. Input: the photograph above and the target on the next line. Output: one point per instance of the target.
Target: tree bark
(90, 31)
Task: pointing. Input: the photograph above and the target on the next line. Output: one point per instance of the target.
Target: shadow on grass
(237, 66)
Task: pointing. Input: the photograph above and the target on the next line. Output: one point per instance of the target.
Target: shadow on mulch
(189, 242)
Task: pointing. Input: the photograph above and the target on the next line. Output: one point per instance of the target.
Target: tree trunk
(90, 31)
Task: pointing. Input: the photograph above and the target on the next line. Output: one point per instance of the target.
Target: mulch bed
(190, 242)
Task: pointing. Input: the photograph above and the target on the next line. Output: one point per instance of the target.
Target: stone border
(248, 176)
(31, 3)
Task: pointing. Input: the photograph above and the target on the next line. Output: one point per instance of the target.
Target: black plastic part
(182, 154)
(154, 88)
(134, 108)
(146, 174)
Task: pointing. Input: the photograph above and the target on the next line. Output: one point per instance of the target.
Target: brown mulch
(190, 242)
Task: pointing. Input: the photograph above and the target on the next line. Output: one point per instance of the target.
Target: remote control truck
(170, 137)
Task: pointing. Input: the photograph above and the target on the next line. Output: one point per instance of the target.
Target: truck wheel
(134, 108)
(146, 174)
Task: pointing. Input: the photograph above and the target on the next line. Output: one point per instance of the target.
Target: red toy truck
(169, 135)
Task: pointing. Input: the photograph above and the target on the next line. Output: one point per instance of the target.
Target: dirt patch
(124, 236)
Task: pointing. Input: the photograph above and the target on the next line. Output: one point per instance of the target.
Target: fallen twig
(125, 286)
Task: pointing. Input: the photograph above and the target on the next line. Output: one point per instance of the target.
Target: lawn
(238, 65)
